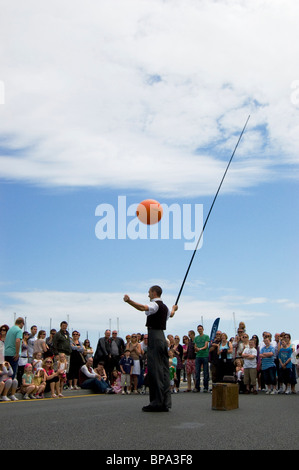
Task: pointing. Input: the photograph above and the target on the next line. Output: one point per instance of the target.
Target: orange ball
(149, 211)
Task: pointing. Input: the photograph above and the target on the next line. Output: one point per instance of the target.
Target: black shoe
(155, 409)
(165, 408)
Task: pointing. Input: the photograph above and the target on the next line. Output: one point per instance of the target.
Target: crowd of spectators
(33, 364)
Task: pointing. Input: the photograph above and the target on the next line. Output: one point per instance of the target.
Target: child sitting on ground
(239, 373)
(28, 388)
(7, 384)
(39, 380)
(116, 381)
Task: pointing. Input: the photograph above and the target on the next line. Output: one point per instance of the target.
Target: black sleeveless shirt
(157, 321)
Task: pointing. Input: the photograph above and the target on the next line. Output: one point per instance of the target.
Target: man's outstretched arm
(141, 307)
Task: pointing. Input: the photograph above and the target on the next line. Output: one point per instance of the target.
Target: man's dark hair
(157, 289)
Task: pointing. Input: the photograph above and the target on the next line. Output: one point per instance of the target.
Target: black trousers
(158, 369)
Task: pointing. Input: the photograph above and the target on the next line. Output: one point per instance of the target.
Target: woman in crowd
(9, 384)
(225, 352)
(190, 361)
(88, 351)
(40, 345)
(245, 343)
(23, 359)
(289, 344)
(135, 350)
(185, 347)
(76, 361)
(51, 377)
(3, 330)
(260, 381)
(177, 349)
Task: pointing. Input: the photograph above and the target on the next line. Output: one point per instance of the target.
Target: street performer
(157, 353)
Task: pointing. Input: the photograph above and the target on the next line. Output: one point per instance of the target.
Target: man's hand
(136, 305)
(173, 310)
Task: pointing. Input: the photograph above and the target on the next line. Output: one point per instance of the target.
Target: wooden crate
(225, 396)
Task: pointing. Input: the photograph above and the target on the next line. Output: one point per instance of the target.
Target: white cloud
(257, 300)
(100, 94)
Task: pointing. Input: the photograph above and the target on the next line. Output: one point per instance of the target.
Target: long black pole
(207, 218)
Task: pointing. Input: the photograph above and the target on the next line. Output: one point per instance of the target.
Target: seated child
(39, 380)
(116, 381)
(28, 388)
(239, 372)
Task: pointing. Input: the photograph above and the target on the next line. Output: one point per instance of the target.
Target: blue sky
(146, 103)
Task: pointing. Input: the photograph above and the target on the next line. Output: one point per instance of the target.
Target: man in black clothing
(103, 351)
(62, 343)
(109, 350)
(117, 349)
(157, 353)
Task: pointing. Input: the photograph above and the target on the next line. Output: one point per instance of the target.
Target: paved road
(113, 422)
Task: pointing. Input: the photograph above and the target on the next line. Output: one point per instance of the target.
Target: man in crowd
(117, 350)
(62, 343)
(202, 358)
(103, 353)
(31, 340)
(90, 380)
(13, 343)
